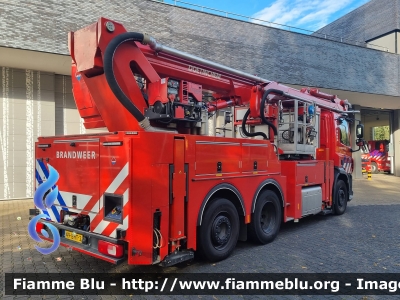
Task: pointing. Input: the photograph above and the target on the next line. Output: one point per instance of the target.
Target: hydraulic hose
(262, 107)
(109, 72)
(246, 133)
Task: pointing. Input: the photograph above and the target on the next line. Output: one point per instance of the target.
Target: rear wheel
(374, 168)
(219, 232)
(340, 198)
(266, 220)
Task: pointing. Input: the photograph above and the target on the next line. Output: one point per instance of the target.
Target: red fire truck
(157, 187)
(377, 156)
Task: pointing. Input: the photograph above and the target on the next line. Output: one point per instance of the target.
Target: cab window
(344, 133)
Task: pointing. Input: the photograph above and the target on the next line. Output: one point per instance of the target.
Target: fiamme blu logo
(45, 201)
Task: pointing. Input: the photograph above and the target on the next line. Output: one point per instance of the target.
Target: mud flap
(350, 178)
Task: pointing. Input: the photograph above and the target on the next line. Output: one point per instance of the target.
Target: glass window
(344, 133)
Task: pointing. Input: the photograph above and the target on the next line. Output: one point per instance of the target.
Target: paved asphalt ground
(366, 239)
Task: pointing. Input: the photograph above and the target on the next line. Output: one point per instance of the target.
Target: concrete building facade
(35, 88)
(376, 22)
(33, 103)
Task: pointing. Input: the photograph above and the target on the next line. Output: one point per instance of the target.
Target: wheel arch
(340, 174)
(268, 184)
(223, 190)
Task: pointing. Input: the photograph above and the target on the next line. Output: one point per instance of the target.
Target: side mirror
(360, 131)
(359, 142)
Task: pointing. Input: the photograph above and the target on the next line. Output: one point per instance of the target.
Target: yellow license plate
(76, 237)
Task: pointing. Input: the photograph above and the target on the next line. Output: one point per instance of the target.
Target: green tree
(381, 133)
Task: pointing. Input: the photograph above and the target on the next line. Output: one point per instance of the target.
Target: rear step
(326, 212)
(176, 258)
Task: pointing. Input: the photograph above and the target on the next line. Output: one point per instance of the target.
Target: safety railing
(239, 17)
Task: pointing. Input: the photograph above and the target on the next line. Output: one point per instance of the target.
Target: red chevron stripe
(90, 205)
(97, 219)
(109, 229)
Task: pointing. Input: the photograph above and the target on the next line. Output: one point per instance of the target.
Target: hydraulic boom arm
(123, 80)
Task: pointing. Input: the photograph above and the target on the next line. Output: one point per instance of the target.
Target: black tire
(219, 231)
(374, 168)
(266, 219)
(341, 197)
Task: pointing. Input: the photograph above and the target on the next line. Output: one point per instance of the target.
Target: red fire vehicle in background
(157, 187)
(377, 156)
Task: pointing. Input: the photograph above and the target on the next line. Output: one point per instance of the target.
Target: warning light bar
(112, 144)
(44, 145)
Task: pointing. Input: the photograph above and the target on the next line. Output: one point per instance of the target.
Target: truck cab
(377, 155)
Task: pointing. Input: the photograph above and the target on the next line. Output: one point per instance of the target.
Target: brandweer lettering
(76, 154)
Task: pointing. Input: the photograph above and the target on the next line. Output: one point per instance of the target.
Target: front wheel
(219, 232)
(340, 198)
(374, 168)
(266, 220)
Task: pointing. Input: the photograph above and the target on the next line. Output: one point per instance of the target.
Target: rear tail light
(111, 249)
(39, 227)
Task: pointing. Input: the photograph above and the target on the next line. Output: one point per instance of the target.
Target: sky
(305, 14)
